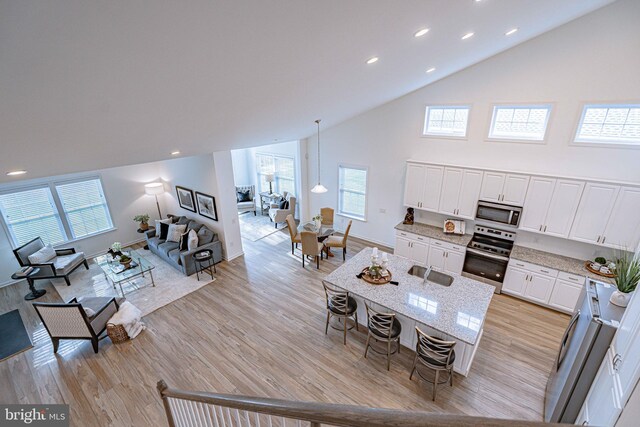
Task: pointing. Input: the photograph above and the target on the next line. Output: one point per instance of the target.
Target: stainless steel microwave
(498, 213)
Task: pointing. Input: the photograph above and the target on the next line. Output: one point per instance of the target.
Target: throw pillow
(175, 231)
(161, 221)
(204, 236)
(282, 204)
(184, 240)
(43, 255)
(193, 240)
(89, 311)
(286, 204)
(244, 196)
(164, 230)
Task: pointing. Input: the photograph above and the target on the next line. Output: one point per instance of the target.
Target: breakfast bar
(454, 312)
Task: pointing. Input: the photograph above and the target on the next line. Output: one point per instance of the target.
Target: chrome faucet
(426, 274)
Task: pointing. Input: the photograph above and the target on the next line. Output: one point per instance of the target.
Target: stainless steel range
(488, 255)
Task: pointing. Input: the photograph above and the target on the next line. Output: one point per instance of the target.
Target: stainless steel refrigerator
(582, 350)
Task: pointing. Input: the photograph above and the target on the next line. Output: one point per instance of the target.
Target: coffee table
(114, 272)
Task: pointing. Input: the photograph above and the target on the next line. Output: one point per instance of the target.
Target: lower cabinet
(565, 295)
(603, 403)
(442, 256)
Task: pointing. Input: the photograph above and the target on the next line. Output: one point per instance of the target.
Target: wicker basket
(117, 333)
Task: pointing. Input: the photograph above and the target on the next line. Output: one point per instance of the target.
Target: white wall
(594, 58)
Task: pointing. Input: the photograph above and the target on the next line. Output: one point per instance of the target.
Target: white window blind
(446, 121)
(32, 213)
(610, 124)
(352, 197)
(526, 122)
(85, 207)
(282, 167)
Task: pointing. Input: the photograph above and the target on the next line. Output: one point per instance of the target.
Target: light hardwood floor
(259, 330)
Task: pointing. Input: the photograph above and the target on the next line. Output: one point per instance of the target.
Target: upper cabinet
(551, 205)
(423, 186)
(460, 191)
(505, 188)
(623, 228)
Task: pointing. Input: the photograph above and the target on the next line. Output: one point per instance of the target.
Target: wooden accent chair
(293, 232)
(311, 246)
(342, 306)
(339, 241)
(65, 262)
(327, 216)
(383, 327)
(435, 354)
(70, 321)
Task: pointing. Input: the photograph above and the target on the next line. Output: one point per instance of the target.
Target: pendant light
(319, 188)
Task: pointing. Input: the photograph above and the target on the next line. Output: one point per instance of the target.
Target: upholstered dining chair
(84, 319)
(342, 306)
(435, 354)
(311, 246)
(383, 327)
(339, 241)
(327, 216)
(60, 263)
(293, 232)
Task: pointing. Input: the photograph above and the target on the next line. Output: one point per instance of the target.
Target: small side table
(35, 293)
(141, 231)
(204, 262)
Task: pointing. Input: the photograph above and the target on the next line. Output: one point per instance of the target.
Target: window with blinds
(610, 124)
(352, 194)
(85, 207)
(283, 169)
(519, 122)
(32, 213)
(446, 121)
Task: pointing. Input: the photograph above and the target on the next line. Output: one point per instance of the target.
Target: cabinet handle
(598, 239)
(540, 229)
(617, 359)
(544, 271)
(447, 254)
(545, 229)
(604, 238)
(526, 278)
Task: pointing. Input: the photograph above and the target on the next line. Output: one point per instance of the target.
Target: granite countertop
(557, 262)
(458, 310)
(434, 232)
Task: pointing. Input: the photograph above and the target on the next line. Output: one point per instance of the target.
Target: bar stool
(342, 306)
(383, 327)
(435, 354)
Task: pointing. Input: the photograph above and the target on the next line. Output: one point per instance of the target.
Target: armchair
(276, 214)
(70, 321)
(62, 265)
(249, 205)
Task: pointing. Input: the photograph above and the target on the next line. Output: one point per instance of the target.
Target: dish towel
(129, 316)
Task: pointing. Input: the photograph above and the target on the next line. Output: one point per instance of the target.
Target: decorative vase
(620, 299)
(318, 223)
(144, 226)
(126, 264)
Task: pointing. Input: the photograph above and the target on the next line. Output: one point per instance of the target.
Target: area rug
(14, 336)
(170, 284)
(254, 228)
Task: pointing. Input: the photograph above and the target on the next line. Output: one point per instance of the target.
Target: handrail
(334, 414)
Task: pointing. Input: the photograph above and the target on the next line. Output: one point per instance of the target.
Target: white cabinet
(515, 281)
(423, 185)
(419, 252)
(454, 262)
(403, 247)
(436, 257)
(623, 228)
(446, 257)
(529, 281)
(539, 288)
(551, 205)
(460, 191)
(412, 246)
(603, 404)
(566, 292)
(432, 188)
(504, 188)
(594, 210)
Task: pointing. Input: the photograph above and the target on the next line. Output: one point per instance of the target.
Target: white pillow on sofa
(192, 241)
(43, 255)
(175, 232)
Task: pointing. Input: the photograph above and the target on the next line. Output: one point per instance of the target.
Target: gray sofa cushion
(155, 241)
(167, 247)
(65, 263)
(193, 225)
(183, 220)
(175, 256)
(204, 236)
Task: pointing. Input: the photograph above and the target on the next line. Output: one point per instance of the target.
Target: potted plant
(627, 277)
(143, 220)
(125, 260)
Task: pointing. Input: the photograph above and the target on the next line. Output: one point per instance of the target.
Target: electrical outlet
(383, 210)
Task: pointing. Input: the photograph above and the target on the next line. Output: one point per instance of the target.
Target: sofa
(277, 214)
(248, 206)
(183, 260)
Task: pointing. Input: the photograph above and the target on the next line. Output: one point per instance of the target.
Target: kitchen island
(454, 312)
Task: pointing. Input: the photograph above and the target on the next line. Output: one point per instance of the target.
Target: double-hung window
(352, 191)
(85, 207)
(607, 124)
(283, 170)
(519, 122)
(446, 120)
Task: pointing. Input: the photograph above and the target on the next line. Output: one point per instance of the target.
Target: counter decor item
(143, 220)
(454, 226)
(376, 273)
(125, 261)
(318, 221)
(627, 276)
(409, 217)
(599, 269)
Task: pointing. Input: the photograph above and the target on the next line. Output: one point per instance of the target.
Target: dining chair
(383, 327)
(327, 216)
(435, 354)
(339, 241)
(342, 306)
(311, 246)
(293, 232)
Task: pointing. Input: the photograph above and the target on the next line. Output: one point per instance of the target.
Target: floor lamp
(154, 189)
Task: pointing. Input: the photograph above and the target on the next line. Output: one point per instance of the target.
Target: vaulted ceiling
(87, 85)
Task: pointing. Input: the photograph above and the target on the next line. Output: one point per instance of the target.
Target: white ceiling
(88, 85)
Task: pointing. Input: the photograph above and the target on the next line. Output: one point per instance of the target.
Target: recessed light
(175, 153)
(421, 33)
(431, 70)
(372, 60)
(511, 31)
(466, 36)
(13, 173)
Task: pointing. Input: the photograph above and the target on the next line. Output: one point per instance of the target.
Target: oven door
(497, 213)
(486, 267)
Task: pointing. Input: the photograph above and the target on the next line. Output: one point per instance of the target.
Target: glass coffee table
(115, 273)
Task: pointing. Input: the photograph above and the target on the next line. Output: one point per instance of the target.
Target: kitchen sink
(434, 276)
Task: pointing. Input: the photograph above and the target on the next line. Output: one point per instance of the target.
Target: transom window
(283, 170)
(519, 122)
(352, 194)
(610, 124)
(446, 121)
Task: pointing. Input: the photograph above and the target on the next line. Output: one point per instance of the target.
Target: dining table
(324, 231)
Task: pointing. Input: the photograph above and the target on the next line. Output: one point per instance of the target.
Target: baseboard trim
(234, 256)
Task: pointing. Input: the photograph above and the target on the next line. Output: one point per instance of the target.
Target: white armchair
(277, 214)
(248, 205)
